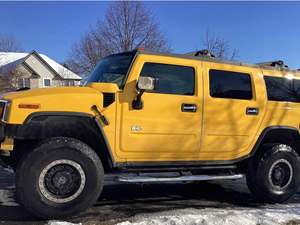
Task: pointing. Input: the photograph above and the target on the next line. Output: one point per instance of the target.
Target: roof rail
(203, 52)
(278, 63)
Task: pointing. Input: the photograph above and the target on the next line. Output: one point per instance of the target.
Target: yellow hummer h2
(148, 112)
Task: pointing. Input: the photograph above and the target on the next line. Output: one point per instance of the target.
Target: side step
(149, 179)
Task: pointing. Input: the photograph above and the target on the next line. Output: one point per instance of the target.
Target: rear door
(234, 106)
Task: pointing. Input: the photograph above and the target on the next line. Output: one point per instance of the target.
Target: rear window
(282, 89)
(228, 84)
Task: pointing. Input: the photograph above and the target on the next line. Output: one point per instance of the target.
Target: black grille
(2, 108)
(108, 99)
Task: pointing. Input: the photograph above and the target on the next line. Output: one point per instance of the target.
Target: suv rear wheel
(60, 177)
(274, 176)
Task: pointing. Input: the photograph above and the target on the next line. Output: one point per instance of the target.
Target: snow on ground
(214, 216)
(7, 198)
(203, 214)
(7, 187)
(54, 222)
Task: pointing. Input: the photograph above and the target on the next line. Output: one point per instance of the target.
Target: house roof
(8, 59)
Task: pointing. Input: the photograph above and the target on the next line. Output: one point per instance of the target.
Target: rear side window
(282, 89)
(227, 84)
(171, 79)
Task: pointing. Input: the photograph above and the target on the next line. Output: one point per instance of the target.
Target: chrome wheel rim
(62, 181)
(280, 174)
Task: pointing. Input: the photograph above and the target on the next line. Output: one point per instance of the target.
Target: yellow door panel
(159, 131)
(161, 126)
(228, 129)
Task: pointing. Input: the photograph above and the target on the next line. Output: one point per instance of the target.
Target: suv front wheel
(274, 175)
(59, 178)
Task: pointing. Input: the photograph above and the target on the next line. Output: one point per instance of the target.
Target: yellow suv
(148, 112)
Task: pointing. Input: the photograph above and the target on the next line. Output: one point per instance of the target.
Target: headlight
(4, 107)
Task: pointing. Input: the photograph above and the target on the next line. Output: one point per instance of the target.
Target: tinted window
(112, 69)
(171, 79)
(226, 84)
(282, 89)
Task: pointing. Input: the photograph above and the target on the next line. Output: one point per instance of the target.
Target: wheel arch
(84, 127)
(274, 134)
(277, 134)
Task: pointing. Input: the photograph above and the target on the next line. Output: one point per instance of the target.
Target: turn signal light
(29, 106)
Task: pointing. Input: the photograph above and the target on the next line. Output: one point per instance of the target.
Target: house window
(23, 83)
(69, 83)
(47, 82)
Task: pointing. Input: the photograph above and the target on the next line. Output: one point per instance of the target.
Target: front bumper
(6, 146)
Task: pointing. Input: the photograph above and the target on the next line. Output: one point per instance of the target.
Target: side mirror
(146, 83)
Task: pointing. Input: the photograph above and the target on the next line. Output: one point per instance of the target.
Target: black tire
(59, 178)
(273, 176)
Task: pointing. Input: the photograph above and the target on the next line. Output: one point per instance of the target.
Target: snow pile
(7, 198)
(54, 222)
(7, 187)
(214, 216)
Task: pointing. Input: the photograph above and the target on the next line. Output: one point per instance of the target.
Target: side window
(171, 79)
(282, 89)
(227, 84)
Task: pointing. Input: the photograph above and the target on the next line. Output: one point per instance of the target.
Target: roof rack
(203, 52)
(278, 63)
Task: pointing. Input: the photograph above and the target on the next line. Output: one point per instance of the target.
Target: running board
(145, 179)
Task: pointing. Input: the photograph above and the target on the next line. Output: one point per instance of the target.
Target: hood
(62, 99)
(48, 92)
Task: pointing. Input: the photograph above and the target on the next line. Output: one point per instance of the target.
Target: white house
(35, 70)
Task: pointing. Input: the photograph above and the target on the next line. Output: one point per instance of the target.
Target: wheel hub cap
(280, 174)
(62, 181)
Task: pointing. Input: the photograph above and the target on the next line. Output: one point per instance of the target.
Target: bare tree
(8, 75)
(86, 54)
(127, 25)
(8, 44)
(219, 46)
(9, 80)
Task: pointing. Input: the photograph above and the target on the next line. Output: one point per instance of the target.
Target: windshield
(112, 69)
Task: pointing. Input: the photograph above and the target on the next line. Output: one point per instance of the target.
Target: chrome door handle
(185, 107)
(252, 111)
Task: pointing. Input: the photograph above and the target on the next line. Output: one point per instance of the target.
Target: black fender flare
(287, 134)
(37, 126)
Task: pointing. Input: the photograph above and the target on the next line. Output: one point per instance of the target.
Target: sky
(261, 31)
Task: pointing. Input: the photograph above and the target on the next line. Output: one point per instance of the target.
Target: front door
(168, 127)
